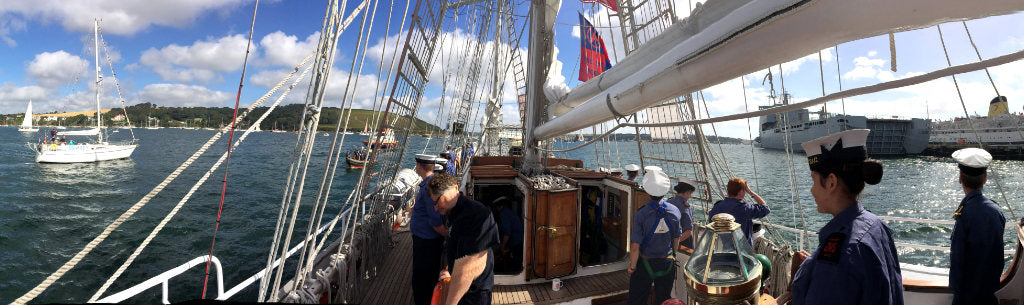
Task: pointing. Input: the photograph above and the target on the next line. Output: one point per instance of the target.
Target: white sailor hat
(656, 183)
(438, 167)
(650, 168)
(615, 171)
(685, 181)
(839, 148)
(632, 168)
(422, 158)
(440, 160)
(972, 161)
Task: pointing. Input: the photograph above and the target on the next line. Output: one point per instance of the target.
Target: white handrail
(162, 279)
(221, 295)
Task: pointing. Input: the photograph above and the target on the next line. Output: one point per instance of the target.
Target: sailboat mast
(542, 19)
(96, 49)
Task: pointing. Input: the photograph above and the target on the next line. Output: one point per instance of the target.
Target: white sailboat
(85, 152)
(26, 123)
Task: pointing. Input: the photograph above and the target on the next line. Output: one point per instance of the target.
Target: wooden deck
(393, 286)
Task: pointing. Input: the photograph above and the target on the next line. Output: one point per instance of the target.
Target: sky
(190, 53)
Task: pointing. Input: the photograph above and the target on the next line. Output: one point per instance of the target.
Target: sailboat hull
(28, 129)
(83, 153)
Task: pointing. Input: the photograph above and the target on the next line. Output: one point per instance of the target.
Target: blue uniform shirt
(511, 226)
(976, 250)
(424, 216)
(855, 263)
(685, 219)
(646, 219)
(743, 212)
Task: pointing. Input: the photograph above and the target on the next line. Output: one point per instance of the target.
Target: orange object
(440, 291)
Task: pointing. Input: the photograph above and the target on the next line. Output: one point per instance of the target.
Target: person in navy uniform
(976, 249)
(684, 191)
(734, 205)
(428, 232)
(632, 170)
(856, 261)
(655, 233)
(472, 236)
(616, 172)
(511, 226)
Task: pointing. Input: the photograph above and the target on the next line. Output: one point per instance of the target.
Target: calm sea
(49, 212)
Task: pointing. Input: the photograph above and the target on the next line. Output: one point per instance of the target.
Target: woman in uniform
(855, 261)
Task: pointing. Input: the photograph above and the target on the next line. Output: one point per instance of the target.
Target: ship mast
(542, 18)
(96, 49)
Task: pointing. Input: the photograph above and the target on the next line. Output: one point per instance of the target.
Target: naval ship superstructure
(1001, 132)
(889, 136)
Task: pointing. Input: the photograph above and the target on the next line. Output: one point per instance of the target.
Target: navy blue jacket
(471, 230)
(424, 217)
(743, 212)
(976, 250)
(855, 263)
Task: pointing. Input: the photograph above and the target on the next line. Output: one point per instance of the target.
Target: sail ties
(899, 83)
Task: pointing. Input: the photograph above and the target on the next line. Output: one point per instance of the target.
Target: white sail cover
(27, 121)
(87, 132)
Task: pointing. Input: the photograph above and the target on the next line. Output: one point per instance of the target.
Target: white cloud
(56, 69)
(178, 95)
(10, 25)
(118, 16)
(203, 61)
(866, 68)
(336, 85)
(286, 50)
(14, 99)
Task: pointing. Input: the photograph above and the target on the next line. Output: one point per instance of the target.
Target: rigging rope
(970, 121)
(131, 211)
(839, 79)
(331, 31)
(227, 159)
(174, 211)
(788, 143)
(117, 85)
(898, 83)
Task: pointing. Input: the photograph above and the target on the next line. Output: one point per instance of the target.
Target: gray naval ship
(889, 136)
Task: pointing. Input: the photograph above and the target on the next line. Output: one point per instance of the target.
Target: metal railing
(163, 278)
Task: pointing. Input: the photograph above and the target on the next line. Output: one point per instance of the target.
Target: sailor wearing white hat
(428, 233)
(856, 260)
(655, 233)
(615, 172)
(652, 168)
(976, 248)
(632, 170)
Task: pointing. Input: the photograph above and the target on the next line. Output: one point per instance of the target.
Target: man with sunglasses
(472, 234)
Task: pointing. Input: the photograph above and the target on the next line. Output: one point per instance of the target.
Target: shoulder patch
(832, 248)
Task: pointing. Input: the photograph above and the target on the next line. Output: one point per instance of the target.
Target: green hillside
(284, 118)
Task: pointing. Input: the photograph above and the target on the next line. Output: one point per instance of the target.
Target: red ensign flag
(593, 55)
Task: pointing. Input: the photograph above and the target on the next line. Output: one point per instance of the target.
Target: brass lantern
(723, 268)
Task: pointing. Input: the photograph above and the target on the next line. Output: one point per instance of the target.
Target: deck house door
(554, 232)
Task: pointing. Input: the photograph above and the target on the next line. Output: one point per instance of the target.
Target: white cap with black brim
(972, 161)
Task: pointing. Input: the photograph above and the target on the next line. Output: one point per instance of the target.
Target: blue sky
(189, 53)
